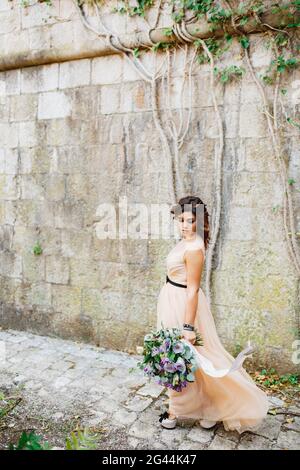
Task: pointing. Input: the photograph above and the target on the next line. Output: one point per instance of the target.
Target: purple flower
(180, 365)
(178, 347)
(155, 351)
(164, 360)
(169, 367)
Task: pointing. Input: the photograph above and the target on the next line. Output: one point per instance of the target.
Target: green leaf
(168, 31)
(244, 41)
(81, 440)
(243, 21)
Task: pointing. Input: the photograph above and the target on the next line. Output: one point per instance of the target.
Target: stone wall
(80, 132)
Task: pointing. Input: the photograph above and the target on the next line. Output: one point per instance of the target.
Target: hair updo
(190, 204)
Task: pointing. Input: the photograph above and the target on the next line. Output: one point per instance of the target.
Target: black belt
(174, 283)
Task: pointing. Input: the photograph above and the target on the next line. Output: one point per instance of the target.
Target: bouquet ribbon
(207, 366)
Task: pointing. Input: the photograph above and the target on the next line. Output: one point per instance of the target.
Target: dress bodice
(176, 268)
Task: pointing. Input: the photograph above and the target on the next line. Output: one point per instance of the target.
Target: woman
(232, 398)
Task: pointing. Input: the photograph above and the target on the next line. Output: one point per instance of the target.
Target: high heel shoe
(167, 422)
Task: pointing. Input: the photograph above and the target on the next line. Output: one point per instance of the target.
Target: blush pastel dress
(220, 392)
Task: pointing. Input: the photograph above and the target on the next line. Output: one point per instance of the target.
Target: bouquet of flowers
(169, 359)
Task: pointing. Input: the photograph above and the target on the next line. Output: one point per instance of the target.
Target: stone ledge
(74, 44)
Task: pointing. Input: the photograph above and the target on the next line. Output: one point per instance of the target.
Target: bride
(222, 391)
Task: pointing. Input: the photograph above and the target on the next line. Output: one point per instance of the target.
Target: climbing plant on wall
(232, 19)
(205, 30)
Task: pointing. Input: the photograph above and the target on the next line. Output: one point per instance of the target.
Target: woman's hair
(190, 204)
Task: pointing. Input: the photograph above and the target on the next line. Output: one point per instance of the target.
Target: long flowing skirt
(233, 398)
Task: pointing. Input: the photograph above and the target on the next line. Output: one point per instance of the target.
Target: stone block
(30, 134)
(55, 187)
(11, 161)
(13, 82)
(23, 107)
(9, 134)
(40, 294)
(40, 15)
(219, 443)
(33, 266)
(151, 390)
(76, 244)
(10, 265)
(66, 299)
(57, 270)
(200, 435)
(53, 105)
(32, 187)
(141, 430)
(39, 79)
(257, 125)
(253, 442)
(289, 440)
(110, 99)
(74, 73)
(69, 215)
(85, 103)
(39, 38)
(9, 187)
(107, 70)
(63, 131)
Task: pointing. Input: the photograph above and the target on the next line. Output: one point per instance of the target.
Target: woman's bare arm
(194, 260)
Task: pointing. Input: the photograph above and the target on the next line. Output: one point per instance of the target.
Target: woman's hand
(189, 336)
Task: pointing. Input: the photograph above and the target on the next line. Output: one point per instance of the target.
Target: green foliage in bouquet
(169, 359)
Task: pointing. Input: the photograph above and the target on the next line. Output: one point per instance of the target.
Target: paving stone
(105, 404)
(219, 443)
(120, 394)
(294, 425)
(231, 435)
(157, 445)
(124, 417)
(289, 440)
(134, 383)
(270, 428)
(149, 415)
(151, 390)
(141, 430)
(137, 403)
(201, 435)
(190, 445)
(95, 420)
(252, 441)
(61, 382)
(275, 402)
(172, 437)
(133, 442)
